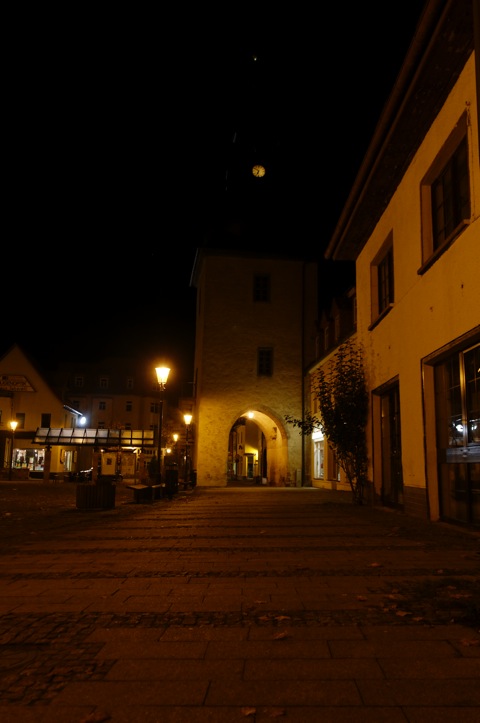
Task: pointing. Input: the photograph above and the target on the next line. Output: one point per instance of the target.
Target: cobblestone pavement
(226, 604)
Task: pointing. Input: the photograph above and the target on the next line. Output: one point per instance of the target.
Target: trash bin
(171, 482)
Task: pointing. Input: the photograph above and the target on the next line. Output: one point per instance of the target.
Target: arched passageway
(258, 451)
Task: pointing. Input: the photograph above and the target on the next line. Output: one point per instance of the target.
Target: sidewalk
(231, 604)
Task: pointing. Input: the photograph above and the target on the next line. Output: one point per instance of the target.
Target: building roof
(442, 44)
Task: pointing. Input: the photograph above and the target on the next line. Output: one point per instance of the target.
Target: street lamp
(187, 419)
(162, 376)
(13, 426)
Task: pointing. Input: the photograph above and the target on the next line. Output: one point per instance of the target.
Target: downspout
(302, 483)
(476, 43)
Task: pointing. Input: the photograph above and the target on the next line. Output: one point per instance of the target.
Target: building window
(128, 406)
(335, 467)
(459, 379)
(103, 382)
(78, 381)
(102, 405)
(319, 458)
(451, 196)
(445, 196)
(261, 287)
(127, 425)
(265, 362)
(101, 425)
(385, 281)
(382, 281)
(46, 420)
(20, 417)
(457, 416)
(337, 327)
(130, 383)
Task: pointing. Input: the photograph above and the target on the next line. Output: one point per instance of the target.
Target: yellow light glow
(258, 171)
(187, 418)
(13, 426)
(162, 375)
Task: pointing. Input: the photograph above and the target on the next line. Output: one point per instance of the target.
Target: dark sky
(120, 141)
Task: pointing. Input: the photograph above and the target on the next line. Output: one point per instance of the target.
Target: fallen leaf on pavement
(274, 712)
(96, 717)
(472, 641)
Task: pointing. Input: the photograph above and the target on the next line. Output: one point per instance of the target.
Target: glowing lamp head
(162, 375)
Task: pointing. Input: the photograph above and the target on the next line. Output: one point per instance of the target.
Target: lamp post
(175, 439)
(162, 376)
(13, 426)
(187, 419)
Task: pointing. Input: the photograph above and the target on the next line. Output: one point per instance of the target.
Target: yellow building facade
(255, 334)
(411, 224)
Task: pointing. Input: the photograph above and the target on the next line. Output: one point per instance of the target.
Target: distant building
(255, 335)
(110, 407)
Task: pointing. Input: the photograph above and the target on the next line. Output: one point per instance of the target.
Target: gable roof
(442, 44)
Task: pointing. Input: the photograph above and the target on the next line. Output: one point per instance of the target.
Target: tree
(342, 394)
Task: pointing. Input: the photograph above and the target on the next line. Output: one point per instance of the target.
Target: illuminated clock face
(258, 171)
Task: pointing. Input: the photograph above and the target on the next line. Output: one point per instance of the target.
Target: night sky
(129, 140)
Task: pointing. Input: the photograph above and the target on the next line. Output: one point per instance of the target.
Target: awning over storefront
(94, 437)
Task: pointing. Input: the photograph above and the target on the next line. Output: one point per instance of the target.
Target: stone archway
(258, 450)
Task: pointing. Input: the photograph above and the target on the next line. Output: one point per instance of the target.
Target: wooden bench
(142, 493)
